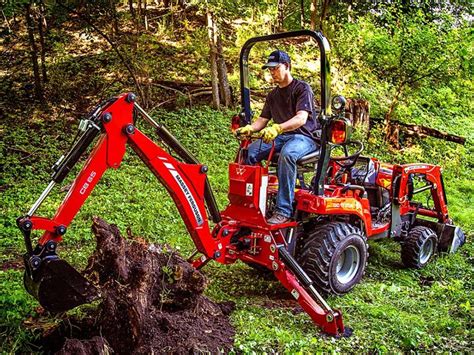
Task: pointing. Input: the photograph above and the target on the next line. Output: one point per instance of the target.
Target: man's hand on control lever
(268, 134)
(244, 132)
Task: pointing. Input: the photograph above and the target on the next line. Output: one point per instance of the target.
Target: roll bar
(323, 44)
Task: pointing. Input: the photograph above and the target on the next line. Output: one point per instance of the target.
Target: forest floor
(393, 309)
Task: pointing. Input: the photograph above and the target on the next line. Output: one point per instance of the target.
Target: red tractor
(323, 249)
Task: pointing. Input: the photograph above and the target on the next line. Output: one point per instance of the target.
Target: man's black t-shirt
(282, 104)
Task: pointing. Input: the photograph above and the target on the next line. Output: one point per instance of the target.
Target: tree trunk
(132, 10)
(213, 59)
(324, 12)
(34, 53)
(314, 14)
(6, 22)
(391, 132)
(145, 17)
(281, 15)
(115, 21)
(224, 88)
(302, 19)
(349, 13)
(359, 111)
(41, 21)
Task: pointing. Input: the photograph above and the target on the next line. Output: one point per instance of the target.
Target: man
(291, 107)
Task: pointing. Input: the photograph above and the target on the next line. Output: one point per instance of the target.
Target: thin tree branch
(87, 19)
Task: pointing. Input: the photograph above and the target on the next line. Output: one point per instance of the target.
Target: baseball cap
(275, 58)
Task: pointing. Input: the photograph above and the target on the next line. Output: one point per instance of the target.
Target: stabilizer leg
(295, 280)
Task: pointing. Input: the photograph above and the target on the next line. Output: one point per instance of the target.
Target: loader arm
(434, 179)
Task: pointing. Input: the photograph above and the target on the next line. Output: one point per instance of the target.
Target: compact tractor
(323, 249)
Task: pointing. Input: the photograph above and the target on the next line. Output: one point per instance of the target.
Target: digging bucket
(57, 285)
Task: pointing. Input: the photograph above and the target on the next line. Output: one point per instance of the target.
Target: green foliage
(418, 65)
(15, 306)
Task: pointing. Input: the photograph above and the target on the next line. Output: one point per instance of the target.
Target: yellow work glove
(270, 133)
(244, 132)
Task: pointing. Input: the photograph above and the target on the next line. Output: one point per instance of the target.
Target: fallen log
(176, 84)
(420, 131)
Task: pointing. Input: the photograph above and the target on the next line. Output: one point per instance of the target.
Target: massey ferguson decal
(189, 197)
(240, 170)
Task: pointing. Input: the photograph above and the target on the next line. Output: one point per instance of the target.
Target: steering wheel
(348, 161)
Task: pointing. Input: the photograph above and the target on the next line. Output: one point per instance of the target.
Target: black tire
(334, 256)
(419, 247)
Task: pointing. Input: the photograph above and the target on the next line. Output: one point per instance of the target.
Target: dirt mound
(95, 345)
(152, 301)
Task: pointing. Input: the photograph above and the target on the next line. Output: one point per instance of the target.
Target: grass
(393, 309)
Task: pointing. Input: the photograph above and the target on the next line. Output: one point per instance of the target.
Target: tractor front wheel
(418, 247)
(334, 256)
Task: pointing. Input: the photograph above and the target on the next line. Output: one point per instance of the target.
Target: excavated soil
(152, 301)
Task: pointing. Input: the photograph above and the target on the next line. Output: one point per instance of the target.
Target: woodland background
(405, 65)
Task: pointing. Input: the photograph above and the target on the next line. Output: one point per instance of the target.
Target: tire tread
(411, 246)
(318, 248)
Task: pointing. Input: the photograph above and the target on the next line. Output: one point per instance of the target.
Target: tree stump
(152, 300)
(358, 111)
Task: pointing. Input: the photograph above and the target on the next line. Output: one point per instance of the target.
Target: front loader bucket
(451, 239)
(58, 286)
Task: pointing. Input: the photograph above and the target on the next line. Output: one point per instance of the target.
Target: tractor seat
(305, 160)
(309, 158)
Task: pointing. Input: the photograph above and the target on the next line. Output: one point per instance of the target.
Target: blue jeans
(291, 147)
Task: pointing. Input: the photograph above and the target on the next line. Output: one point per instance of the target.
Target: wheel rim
(348, 264)
(426, 251)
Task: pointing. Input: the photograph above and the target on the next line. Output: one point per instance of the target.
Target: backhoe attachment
(110, 127)
(240, 232)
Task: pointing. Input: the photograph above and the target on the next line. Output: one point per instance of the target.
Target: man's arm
(259, 124)
(295, 122)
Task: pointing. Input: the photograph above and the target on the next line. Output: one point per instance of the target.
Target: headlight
(338, 103)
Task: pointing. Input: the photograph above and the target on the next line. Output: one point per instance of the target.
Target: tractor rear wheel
(418, 247)
(334, 256)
